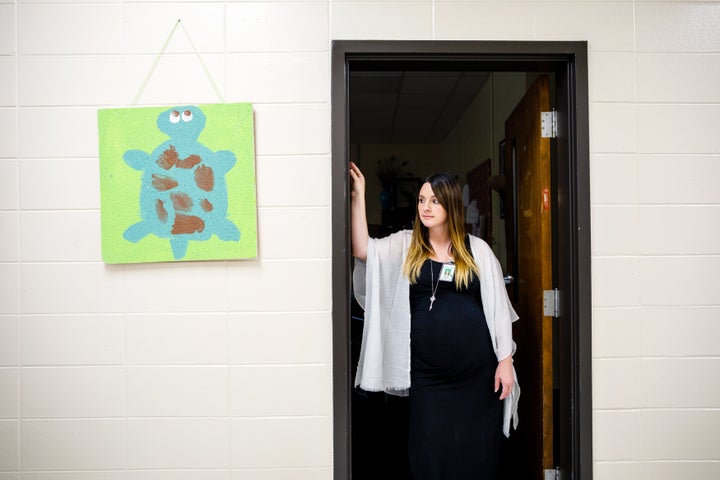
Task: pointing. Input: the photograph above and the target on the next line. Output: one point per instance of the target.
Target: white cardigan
(384, 293)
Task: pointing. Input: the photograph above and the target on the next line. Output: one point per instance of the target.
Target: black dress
(455, 417)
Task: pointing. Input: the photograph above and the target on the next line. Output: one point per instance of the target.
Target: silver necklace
(432, 280)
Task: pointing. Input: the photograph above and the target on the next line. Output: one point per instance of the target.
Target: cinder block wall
(115, 372)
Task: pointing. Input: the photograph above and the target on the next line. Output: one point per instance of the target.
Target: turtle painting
(183, 192)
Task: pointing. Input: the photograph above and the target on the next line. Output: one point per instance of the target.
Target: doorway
(466, 67)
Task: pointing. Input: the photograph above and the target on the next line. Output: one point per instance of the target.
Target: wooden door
(529, 234)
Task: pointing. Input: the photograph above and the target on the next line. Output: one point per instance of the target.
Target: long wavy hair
(449, 194)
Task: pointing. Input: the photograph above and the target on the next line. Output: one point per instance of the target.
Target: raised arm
(357, 212)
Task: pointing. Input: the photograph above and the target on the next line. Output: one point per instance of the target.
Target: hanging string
(155, 64)
(207, 72)
(160, 54)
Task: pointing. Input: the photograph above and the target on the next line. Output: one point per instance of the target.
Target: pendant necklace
(432, 280)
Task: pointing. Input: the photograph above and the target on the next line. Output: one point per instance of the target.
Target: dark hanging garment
(455, 421)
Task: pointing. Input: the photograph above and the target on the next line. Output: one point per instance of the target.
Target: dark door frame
(570, 203)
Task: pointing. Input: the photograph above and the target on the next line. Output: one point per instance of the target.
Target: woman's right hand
(358, 182)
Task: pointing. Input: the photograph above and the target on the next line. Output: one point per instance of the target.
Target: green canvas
(177, 183)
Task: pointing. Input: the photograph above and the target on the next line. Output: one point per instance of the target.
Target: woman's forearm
(360, 234)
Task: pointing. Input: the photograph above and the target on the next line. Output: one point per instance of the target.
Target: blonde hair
(448, 193)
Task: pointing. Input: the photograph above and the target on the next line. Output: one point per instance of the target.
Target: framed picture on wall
(177, 183)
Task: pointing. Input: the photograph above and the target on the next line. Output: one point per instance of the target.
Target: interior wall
(477, 135)
(101, 379)
(194, 370)
(469, 143)
(422, 160)
(474, 138)
(508, 89)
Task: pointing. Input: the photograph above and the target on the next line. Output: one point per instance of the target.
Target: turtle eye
(187, 116)
(174, 116)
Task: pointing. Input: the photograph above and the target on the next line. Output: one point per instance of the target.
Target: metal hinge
(553, 474)
(551, 303)
(548, 124)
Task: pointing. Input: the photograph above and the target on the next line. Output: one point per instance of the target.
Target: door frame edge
(579, 296)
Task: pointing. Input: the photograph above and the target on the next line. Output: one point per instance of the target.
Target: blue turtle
(183, 195)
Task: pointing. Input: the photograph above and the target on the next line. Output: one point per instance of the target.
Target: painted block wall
(118, 373)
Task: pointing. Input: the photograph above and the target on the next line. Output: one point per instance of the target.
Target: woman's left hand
(504, 377)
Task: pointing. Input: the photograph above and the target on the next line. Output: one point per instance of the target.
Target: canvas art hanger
(178, 182)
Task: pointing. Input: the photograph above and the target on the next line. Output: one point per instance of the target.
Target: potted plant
(387, 171)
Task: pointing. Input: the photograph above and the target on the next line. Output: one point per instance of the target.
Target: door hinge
(548, 124)
(551, 303)
(553, 474)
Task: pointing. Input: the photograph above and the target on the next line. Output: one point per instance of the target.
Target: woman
(438, 326)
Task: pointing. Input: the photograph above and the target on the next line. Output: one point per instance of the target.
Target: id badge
(448, 272)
